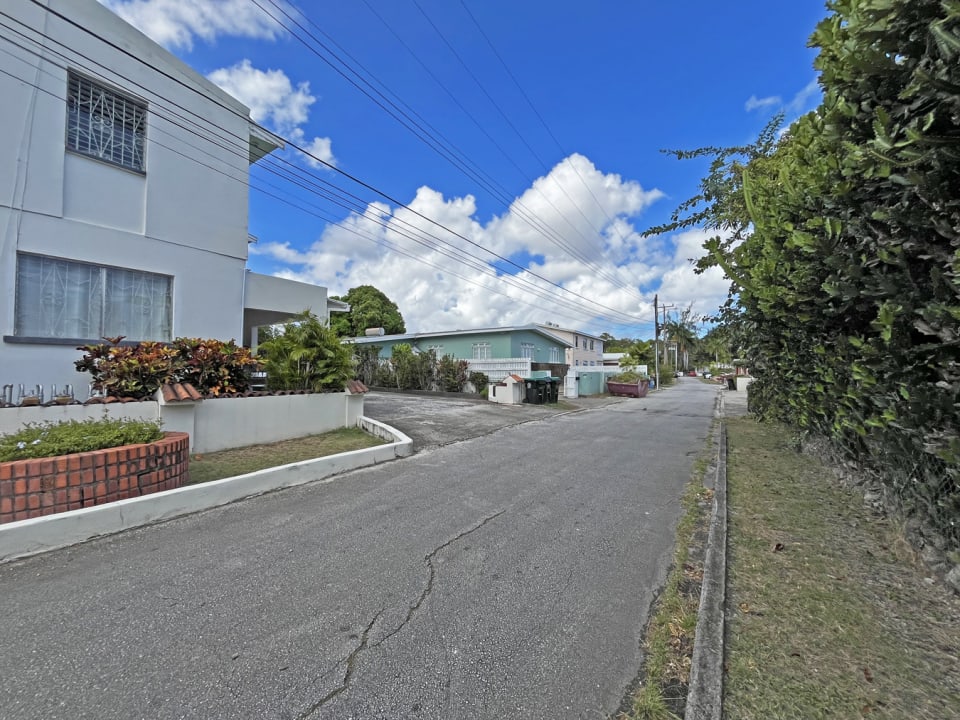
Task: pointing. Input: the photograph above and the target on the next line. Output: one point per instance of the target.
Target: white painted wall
(234, 422)
(216, 424)
(186, 217)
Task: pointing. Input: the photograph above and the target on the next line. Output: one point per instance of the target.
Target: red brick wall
(31, 488)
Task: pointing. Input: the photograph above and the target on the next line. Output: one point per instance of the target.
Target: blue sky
(557, 110)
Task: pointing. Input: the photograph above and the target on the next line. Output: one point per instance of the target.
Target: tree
(369, 308)
(841, 240)
(682, 332)
(639, 353)
(615, 345)
(306, 355)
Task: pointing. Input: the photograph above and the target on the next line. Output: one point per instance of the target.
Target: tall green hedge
(846, 259)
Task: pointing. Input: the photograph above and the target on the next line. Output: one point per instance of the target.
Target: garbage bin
(543, 395)
(534, 395)
(553, 385)
(731, 383)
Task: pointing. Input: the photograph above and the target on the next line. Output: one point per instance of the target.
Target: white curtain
(58, 299)
(62, 299)
(136, 305)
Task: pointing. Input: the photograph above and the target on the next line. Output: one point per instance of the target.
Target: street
(505, 576)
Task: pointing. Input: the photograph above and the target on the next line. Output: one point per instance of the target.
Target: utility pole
(664, 308)
(656, 343)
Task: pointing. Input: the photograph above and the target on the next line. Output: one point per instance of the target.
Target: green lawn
(227, 463)
(832, 615)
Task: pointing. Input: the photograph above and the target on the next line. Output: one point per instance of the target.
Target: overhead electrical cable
(424, 132)
(616, 313)
(592, 264)
(539, 117)
(500, 193)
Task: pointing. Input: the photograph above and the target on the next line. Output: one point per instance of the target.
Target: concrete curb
(37, 535)
(705, 691)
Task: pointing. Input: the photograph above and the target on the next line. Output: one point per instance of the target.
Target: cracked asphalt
(504, 576)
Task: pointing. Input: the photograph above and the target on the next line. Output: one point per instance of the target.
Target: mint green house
(530, 342)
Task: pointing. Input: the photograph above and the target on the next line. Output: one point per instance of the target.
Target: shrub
(132, 370)
(667, 373)
(452, 373)
(479, 381)
(137, 370)
(366, 359)
(40, 440)
(413, 371)
(306, 355)
(214, 367)
(628, 376)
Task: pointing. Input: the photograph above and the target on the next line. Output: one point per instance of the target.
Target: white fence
(215, 424)
(496, 369)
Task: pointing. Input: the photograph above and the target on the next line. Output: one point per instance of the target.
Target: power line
(445, 149)
(532, 286)
(553, 237)
(355, 207)
(540, 117)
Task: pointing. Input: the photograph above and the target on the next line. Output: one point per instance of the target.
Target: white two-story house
(123, 196)
(584, 350)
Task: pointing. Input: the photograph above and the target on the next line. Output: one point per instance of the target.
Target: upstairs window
(555, 355)
(481, 351)
(104, 124)
(527, 350)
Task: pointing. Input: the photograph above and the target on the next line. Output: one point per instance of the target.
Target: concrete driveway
(432, 421)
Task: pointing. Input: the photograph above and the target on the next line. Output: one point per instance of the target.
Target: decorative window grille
(526, 350)
(64, 299)
(555, 355)
(481, 351)
(104, 124)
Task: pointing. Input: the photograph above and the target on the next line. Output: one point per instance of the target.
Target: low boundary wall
(215, 423)
(37, 535)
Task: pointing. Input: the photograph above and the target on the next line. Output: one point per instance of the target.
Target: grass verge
(228, 463)
(661, 692)
(830, 613)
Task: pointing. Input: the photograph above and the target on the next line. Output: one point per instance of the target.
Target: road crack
(348, 673)
(432, 572)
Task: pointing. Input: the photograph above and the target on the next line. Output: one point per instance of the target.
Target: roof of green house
(447, 333)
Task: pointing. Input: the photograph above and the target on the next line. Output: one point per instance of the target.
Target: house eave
(263, 142)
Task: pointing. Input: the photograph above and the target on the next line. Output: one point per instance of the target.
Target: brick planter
(31, 488)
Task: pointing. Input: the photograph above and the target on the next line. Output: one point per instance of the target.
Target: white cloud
(275, 102)
(623, 272)
(320, 148)
(800, 102)
(797, 105)
(176, 23)
(755, 103)
(269, 94)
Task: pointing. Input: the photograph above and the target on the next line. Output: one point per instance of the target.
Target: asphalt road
(507, 576)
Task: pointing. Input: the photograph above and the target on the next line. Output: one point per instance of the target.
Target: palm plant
(306, 355)
(682, 331)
